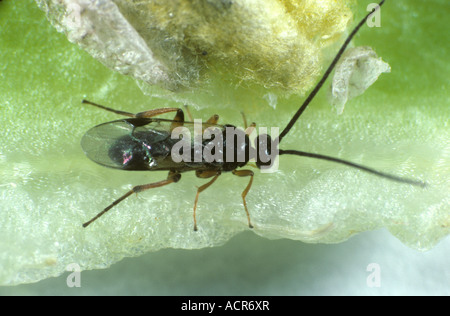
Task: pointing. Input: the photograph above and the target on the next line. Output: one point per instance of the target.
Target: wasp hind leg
(203, 175)
(178, 120)
(145, 114)
(172, 177)
(189, 114)
(245, 173)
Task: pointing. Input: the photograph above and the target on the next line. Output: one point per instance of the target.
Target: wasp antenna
(354, 165)
(326, 74)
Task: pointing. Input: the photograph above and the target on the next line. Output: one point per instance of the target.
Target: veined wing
(101, 142)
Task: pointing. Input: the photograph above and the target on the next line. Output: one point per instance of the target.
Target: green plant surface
(49, 187)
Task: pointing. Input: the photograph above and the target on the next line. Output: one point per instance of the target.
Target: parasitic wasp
(143, 142)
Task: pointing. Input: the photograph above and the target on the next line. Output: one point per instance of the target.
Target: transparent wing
(98, 142)
(102, 142)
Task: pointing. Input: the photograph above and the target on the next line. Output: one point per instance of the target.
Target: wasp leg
(203, 175)
(155, 112)
(189, 113)
(213, 119)
(172, 177)
(178, 120)
(210, 122)
(145, 114)
(248, 129)
(244, 118)
(109, 109)
(245, 173)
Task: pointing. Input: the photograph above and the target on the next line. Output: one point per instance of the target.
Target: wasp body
(146, 143)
